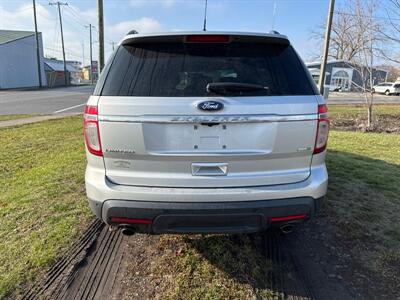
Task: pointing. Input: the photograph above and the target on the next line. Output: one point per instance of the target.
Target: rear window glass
(185, 69)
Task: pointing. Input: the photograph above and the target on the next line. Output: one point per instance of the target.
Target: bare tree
(346, 41)
(357, 38)
(391, 31)
(369, 30)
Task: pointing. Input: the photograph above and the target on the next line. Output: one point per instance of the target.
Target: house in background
(86, 72)
(342, 75)
(18, 60)
(55, 73)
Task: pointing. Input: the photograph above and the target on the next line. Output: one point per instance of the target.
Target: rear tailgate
(256, 141)
(154, 134)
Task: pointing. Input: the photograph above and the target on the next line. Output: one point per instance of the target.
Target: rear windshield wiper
(226, 87)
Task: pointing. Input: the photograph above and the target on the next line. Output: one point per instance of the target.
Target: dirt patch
(383, 123)
(312, 263)
(256, 266)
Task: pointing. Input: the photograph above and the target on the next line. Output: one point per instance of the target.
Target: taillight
(91, 130)
(322, 129)
(204, 38)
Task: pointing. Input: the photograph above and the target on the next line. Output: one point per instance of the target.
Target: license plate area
(207, 138)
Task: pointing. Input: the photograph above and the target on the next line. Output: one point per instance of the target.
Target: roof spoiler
(180, 37)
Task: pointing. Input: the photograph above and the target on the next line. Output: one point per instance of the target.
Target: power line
(375, 17)
(75, 17)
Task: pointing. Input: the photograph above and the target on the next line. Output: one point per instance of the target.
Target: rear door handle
(209, 169)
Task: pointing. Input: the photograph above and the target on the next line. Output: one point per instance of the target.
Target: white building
(54, 69)
(18, 59)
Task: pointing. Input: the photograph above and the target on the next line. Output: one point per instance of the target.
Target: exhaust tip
(127, 230)
(287, 228)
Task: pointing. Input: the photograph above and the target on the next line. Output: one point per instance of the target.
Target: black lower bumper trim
(205, 217)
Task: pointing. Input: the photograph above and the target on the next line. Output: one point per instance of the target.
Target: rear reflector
(207, 39)
(287, 218)
(131, 221)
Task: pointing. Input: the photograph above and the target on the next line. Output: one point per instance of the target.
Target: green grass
(363, 205)
(42, 200)
(214, 267)
(364, 198)
(14, 117)
(43, 209)
(338, 111)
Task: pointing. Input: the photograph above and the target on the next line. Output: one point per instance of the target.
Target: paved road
(48, 101)
(356, 98)
(72, 100)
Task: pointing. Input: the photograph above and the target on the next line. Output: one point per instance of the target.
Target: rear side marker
(131, 221)
(287, 218)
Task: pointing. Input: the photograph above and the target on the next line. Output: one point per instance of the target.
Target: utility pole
(321, 82)
(37, 45)
(101, 33)
(91, 53)
(113, 44)
(83, 52)
(62, 39)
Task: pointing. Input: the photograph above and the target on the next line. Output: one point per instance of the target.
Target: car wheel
(387, 92)
(373, 91)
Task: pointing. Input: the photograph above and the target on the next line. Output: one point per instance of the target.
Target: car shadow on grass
(255, 260)
(361, 207)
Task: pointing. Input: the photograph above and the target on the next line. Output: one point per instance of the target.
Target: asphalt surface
(72, 99)
(47, 101)
(357, 98)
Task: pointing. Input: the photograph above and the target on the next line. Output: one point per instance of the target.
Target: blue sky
(295, 18)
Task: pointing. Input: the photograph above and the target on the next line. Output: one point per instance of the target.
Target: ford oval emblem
(210, 105)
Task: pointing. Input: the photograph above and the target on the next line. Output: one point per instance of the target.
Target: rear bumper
(203, 217)
(239, 209)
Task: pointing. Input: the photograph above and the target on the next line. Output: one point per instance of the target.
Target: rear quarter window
(184, 70)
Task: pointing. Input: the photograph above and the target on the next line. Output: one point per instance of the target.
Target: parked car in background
(205, 132)
(387, 88)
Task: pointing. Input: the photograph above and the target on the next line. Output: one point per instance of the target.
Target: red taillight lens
(322, 129)
(287, 218)
(91, 130)
(207, 39)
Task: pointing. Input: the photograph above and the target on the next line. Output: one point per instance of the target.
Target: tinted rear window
(183, 69)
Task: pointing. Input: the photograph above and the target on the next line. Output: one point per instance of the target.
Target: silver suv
(205, 132)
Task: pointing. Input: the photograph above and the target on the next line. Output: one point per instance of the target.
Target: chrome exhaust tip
(127, 230)
(287, 228)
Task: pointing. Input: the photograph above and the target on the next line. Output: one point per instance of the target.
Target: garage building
(18, 59)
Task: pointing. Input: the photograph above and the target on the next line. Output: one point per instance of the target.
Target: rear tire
(387, 92)
(373, 91)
